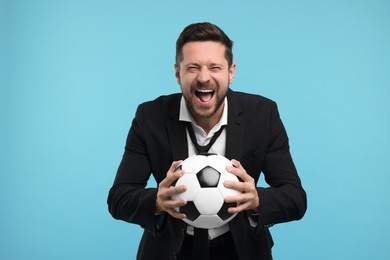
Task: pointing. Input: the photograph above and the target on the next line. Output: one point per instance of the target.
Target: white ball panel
(230, 218)
(194, 164)
(227, 191)
(193, 186)
(219, 163)
(207, 221)
(208, 201)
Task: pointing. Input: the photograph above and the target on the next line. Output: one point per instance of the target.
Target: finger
(170, 178)
(167, 204)
(176, 203)
(167, 193)
(242, 187)
(242, 198)
(176, 214)
(174, 165)
(171, 205)
(239, 208)
(238, 170)
(236, 163)
(173, 168)
(174, 172)
(244, 202)
(235, 185)
(236, 199)
(241, 174)
(245, 187)
(235, 168)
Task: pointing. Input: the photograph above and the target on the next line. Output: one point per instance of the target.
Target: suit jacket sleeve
(285, 199)
(128, 199)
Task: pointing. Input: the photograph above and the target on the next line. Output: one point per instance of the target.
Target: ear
(177, 73)
(232, 71)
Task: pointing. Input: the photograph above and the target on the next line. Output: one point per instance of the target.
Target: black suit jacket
(255, 136)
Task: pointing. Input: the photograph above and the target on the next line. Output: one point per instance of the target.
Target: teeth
(205, 90)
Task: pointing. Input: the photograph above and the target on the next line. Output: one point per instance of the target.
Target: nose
(204, 76)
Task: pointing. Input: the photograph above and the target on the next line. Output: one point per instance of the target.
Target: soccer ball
(204, 177)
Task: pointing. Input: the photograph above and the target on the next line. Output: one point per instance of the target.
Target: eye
(192, 68)
(215, 68)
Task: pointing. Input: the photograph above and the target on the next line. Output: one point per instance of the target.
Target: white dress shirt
(219, 147)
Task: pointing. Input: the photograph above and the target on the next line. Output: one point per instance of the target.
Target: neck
(208, 123)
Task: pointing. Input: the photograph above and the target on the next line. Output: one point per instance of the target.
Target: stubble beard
(197, 113)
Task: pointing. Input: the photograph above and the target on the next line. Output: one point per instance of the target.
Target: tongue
(205, 97)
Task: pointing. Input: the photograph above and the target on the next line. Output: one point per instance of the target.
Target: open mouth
(204, 95)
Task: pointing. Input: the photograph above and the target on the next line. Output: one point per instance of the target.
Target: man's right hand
(165, 191)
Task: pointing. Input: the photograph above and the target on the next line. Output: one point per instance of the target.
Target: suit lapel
(177, 134)
(235, 128)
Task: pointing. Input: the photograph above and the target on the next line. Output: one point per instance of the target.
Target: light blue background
(73, 72)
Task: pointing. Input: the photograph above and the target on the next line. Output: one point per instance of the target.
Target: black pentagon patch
(207, 154)
(208, 177)
(190, 210)
(223, 213)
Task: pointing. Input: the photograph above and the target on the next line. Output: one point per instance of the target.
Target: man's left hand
(249, 198)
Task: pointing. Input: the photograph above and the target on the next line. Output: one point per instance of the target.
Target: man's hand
(249, 198)
(165, 191)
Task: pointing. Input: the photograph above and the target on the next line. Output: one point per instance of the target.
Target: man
(251, 134)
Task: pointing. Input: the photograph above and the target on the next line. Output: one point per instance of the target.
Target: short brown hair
(203, 32)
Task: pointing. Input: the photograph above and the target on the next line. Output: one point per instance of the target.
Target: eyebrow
(198, 65)
(192, 64)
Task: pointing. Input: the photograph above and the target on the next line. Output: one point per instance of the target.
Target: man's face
(204, 77)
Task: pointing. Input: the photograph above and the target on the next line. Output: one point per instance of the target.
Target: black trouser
(221, 248)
